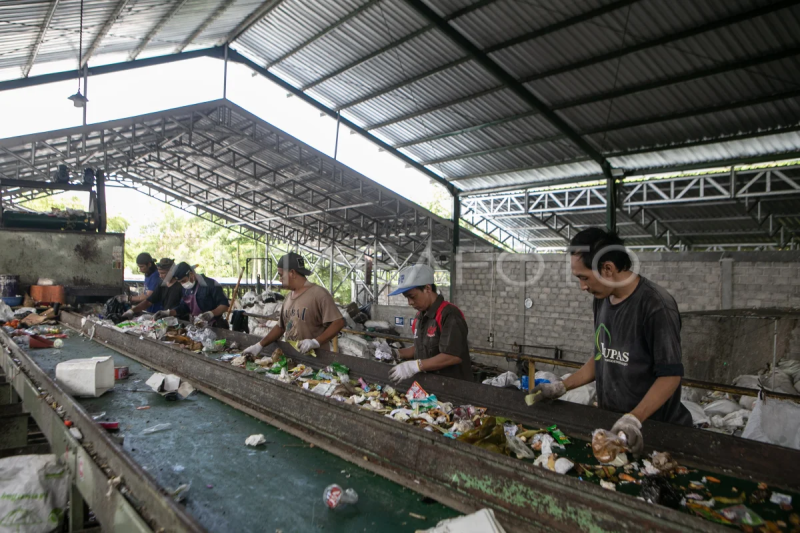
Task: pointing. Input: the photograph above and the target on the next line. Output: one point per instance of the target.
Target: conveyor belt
(458, 474)
(234, 487)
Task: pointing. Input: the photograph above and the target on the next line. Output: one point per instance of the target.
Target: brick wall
(561, 314)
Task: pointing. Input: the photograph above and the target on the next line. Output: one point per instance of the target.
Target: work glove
(251, 352)
(405, 370)
(208, 316)
(307, 345)
(127, 315)
(546, 391)
(161, 314)
(630, 428)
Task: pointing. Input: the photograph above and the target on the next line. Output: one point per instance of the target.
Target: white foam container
(86, 377)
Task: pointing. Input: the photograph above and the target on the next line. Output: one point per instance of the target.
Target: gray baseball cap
(413, 276)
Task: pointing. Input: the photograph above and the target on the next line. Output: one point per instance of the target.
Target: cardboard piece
(86, 377)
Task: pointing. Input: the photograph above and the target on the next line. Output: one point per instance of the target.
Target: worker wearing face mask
(203, 298)
(440, 330)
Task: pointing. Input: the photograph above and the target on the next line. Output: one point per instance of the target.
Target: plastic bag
(699, 417)
(383, 352)
(6, 314)
(693, 394)
(747, 382)
(791, 367)
(775, 422)
(782, 382)
(519, 448)
(721, 407)
(608, 448)
(506, 379)
(584, 395)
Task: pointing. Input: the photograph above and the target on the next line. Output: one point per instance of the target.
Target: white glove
(128, 314)
(405, 370)
(631, 428)
(253, 351)
(307, 345)
(161, 314)
(206, 317)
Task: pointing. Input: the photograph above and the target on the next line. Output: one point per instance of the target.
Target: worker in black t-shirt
(637, 340)
(167, 295)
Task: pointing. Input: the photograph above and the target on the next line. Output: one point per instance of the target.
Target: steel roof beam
(395, 44)
(108, 69)
(404, 83)
(257, 14)
(40, 38)
(525, 169)
(98, 39)
(204, 25)
(664, 40)
(506, 79)
(173, 10)
(528, 36)
(239, 58)
(323, 33)
(619, 93)
(496, 150)
(691, 113)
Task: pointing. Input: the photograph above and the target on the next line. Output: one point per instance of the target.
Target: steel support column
(454, 256)
(611, 200)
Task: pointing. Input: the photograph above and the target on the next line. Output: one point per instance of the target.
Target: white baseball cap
(413, 276)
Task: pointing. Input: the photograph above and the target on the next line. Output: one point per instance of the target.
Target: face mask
(188, 285)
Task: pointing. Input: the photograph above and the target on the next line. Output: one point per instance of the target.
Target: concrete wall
(492, 299)
(73, 259)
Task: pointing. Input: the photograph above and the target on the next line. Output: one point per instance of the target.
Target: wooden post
(335, 342)
(235, 292)
(531, 373)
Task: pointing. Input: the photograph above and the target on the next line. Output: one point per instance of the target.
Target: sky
(145, 90)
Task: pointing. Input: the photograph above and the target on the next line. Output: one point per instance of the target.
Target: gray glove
(128, 314)
(161, 314)
(546, 391)
(629, 427)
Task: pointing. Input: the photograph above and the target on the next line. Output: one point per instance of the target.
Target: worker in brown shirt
(309, 315)
(440, 330)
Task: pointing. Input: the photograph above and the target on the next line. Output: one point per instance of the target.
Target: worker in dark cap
(151, 280)
(309, 315)
(167, 295)
(203, 298)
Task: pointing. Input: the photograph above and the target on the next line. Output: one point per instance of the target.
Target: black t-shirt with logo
(637, 341)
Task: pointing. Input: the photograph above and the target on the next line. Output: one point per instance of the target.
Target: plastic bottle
(334, 496)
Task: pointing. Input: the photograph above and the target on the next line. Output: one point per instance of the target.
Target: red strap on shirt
(444, 304)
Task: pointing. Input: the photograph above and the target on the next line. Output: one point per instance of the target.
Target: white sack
(481, 522)
(775, 422)
(505, 379)
(699, 416)
(721, 407)
(35, 490)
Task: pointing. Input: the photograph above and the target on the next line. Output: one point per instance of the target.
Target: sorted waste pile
(656, 478)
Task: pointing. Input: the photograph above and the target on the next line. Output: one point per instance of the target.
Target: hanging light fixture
(78, 99)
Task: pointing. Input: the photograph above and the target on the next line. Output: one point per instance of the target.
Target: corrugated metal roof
(649, 84)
